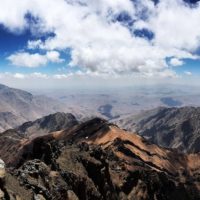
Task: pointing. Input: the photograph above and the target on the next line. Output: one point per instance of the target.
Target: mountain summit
(96, 160)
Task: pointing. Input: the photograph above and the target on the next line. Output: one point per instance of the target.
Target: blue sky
(14, 42)
(77, 40)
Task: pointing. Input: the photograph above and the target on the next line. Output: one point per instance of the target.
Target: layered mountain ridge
(47, 124)
(169, 127)
(96, 160)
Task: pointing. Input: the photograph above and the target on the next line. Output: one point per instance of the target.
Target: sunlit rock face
(2, 169)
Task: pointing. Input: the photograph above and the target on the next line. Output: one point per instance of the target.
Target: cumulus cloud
(176, 62)
(100, 43)
(24, 59)
(175, 25)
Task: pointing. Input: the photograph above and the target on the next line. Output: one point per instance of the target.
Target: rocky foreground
(94, 160)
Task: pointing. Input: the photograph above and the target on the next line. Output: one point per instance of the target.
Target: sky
(76, 43)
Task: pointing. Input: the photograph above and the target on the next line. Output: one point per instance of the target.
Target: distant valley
(18, 106)
(119, 103)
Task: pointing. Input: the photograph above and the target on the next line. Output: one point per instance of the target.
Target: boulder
(2, 169)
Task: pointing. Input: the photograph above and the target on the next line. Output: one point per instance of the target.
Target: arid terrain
(93, 160)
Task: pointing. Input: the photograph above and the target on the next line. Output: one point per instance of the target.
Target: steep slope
(9, 120)
(12, 140)
(169, 127)
(18, 106)
(97, 160)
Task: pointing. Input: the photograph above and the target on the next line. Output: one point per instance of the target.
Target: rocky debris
(97, 160)
(37, 175)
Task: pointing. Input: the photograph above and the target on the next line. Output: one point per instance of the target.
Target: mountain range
(94, 159)
(151, 155)
(18, 106)
(177, 128)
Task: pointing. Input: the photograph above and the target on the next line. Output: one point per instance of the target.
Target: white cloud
(54, 56)
(60, 76)
(188, 73)
(175, 25)
(19, 76)
(35, 75)
(24, 59)
(27, 60)
(12, 14)
(39, 75)
(176, 62)
(101, 45)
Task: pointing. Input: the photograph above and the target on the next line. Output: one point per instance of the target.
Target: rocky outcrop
(2, 180)
(12, 141)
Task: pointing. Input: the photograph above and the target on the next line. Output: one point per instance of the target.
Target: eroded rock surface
(98, 160)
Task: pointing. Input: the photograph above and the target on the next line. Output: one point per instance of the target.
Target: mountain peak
(50, 123)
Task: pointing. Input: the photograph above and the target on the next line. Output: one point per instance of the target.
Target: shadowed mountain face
(47, 124)
(95, 160)
(18, 106)
(169, 127)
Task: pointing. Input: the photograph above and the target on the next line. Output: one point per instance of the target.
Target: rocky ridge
(177, 128)
(98, 160)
